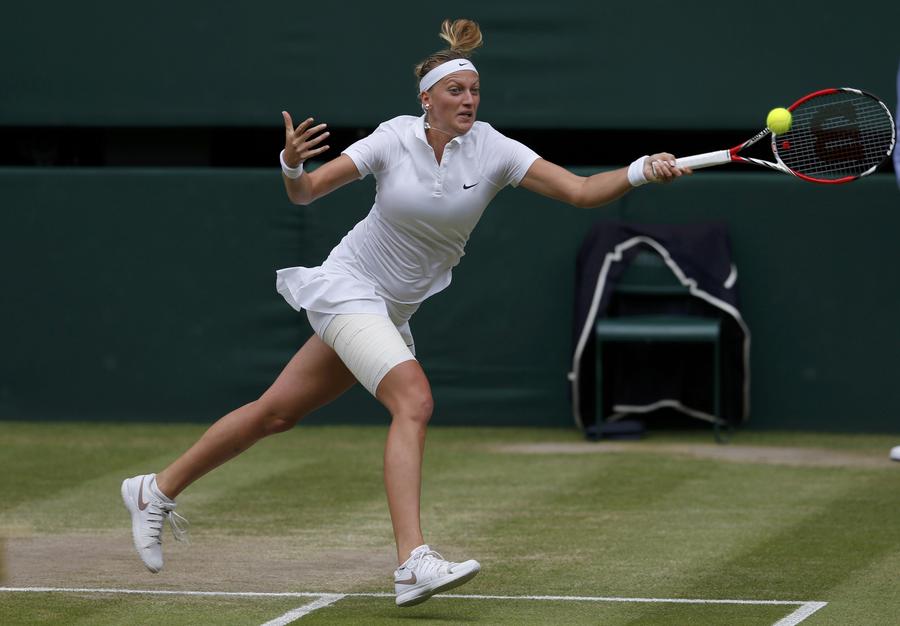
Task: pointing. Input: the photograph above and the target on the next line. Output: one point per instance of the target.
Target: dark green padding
(649, 64)
(149, 295)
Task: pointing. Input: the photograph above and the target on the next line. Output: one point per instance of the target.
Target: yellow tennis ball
(779, 121)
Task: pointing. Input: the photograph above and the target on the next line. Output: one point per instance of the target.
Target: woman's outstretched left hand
(300, 142)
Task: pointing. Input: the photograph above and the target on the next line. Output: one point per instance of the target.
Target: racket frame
(720, 157)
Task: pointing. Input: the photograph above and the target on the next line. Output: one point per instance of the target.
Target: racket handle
(708, 159)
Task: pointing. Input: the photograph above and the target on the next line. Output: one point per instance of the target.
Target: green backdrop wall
(569, 63)
(149, 294)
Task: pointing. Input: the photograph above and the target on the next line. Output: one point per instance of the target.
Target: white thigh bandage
(369, 345)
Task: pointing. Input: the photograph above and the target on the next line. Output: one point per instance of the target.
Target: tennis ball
(779, 121)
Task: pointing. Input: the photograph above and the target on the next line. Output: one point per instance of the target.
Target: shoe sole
(130, 506)
(421, 595)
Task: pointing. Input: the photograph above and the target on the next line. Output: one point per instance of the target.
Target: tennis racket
(836, 136)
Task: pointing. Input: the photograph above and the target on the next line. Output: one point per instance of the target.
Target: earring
(426, 106)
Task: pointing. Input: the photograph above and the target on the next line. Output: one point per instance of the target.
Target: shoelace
(177, 523)
(428, 561)
(179, 526)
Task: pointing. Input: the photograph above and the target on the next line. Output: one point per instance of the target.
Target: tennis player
(436, 174)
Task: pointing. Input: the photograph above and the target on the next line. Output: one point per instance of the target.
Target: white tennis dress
(405, 249)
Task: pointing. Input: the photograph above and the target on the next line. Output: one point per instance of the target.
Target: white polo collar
(420, 132)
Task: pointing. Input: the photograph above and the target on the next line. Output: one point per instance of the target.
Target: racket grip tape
(708, 159)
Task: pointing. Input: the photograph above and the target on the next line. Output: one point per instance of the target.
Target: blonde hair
(464, 36)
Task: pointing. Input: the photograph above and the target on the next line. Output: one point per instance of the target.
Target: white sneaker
(426, 573)
(147, 513)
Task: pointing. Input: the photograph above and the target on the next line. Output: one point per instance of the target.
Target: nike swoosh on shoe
(142, 504)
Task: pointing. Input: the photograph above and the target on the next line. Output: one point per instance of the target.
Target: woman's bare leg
(314, 377)
(407, 395)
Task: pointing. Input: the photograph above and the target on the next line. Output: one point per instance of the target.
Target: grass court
(771, 528)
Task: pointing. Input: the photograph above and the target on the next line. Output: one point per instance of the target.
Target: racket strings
(836, 135)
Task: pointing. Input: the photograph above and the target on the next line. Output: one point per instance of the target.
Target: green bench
(648, 276)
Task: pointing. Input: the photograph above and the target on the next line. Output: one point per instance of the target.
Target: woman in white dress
(436, 174)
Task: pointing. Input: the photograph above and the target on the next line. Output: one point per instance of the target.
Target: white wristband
(636, 173)
(290, 172)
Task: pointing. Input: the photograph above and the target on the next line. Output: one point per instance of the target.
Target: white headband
(437, 73)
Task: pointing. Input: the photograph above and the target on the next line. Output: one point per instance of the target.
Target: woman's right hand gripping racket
(836, 136)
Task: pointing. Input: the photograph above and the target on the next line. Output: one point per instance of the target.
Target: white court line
(617, 599)
(306, 609)
(805, 610)
(806, 607)
(167, 592)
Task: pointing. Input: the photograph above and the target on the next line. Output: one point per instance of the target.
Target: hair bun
(464, 36)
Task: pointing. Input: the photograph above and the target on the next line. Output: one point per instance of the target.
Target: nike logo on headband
(463, 63)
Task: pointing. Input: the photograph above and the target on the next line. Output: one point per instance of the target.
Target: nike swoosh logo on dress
(469, 186)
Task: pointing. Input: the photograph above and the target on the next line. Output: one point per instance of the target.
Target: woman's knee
(274, 418)
(416, 406)
(406, 393)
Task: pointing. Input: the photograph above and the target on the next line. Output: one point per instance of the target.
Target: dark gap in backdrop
(259, 147)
